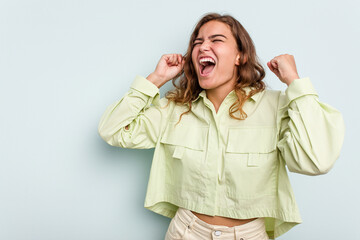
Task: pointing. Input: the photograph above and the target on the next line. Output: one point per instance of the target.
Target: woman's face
(215, 56)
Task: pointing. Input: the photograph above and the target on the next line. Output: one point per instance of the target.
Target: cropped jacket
(213, 164)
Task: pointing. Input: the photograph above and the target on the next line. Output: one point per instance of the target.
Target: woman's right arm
(135, 120)
(132, 122)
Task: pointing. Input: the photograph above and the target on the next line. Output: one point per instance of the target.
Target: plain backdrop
(63, 62)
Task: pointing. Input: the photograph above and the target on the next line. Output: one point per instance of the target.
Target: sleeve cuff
(300, 87)
(143, 85)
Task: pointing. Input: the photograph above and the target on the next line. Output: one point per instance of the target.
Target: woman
(221, 140)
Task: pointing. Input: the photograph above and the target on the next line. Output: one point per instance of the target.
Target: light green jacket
(216, 165)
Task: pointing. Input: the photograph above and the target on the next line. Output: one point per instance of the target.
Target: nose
(204, 46)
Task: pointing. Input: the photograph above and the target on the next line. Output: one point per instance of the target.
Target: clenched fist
(167, 68)
(284, 68)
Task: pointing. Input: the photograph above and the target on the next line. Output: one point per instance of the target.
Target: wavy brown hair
(249, 73)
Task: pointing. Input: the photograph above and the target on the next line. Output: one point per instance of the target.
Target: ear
(237, 63)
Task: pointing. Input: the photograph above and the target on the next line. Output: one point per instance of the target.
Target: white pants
(186, 226)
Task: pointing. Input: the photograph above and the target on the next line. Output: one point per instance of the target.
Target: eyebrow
(212, 36)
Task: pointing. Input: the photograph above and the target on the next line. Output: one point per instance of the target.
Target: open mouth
(207, 64)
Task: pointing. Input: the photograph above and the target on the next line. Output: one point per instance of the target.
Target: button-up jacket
(213, 164)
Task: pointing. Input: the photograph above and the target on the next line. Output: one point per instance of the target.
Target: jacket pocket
(184, 147)
(254, 143)
(251, 162)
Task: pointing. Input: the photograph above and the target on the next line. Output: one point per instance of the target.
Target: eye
(217, 40)
(196, 43)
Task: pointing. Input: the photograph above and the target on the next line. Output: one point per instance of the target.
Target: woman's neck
(217, 96)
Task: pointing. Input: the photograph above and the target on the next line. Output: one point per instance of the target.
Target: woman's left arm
(311, 132)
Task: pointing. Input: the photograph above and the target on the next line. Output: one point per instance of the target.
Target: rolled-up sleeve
(311, 133)
(135, 120)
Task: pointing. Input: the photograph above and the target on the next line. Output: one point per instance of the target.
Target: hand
(284, 68)
(168, 67)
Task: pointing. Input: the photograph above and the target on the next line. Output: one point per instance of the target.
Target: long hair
(249, 73)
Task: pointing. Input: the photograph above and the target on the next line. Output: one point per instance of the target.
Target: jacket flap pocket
(185, 135)
(251, 140)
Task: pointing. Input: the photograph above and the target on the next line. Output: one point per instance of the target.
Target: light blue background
(63, 62)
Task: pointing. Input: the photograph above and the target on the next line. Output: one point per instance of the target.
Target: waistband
(249, 229)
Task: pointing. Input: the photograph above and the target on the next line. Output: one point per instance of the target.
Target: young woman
(221, 139)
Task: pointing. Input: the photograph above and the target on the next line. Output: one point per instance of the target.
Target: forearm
(132, 122)
(312, 132)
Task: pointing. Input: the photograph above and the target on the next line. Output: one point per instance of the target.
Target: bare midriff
(223, 221)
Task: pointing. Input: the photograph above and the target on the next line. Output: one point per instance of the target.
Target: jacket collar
(231, 96)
